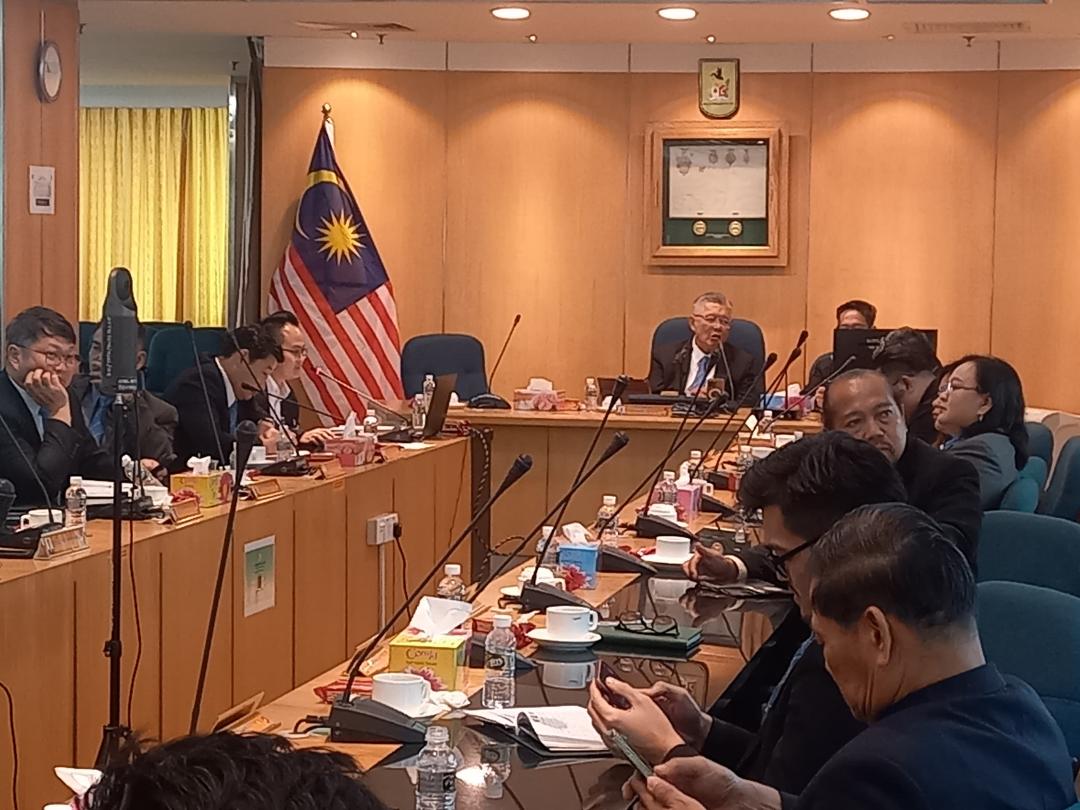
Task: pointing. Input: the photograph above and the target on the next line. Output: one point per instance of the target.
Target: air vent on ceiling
(968, 28)
(375, 27)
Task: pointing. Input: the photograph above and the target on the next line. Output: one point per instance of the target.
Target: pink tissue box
(689, 499)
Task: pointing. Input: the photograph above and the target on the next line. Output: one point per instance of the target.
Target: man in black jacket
(909, 363)
(156, 420)
(208, 429)
(893, 606)
(44, 436)
(802, 490)
(687, 366)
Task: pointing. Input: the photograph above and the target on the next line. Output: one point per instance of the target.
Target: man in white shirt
(687, 366)
(284, 327)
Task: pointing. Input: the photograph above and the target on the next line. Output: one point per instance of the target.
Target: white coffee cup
(571, 621)
(36, 518)
(567, 674)
(258, 454)
(663, 510)
(400, 690)
(672, 548)
(706, 487)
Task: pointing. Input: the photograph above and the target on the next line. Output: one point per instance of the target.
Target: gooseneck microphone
(621, 382)
(502, 351)
(366, 720)
(301, 405)
(385, 413)
(808, 392)
(246, 435)
(34, 473)
(796, 353)
(222, 459)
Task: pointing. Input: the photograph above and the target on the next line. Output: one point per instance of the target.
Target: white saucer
(511, 591)
(653, 558)
(541, 637)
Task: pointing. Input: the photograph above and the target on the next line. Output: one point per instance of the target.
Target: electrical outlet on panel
(380, 529)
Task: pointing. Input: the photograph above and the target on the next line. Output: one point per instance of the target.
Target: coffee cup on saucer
(36, 518)
(672, 549)
(666, 511)
(571, 622)
(403, 691)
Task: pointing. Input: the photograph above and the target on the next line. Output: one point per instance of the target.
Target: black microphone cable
(206, 391)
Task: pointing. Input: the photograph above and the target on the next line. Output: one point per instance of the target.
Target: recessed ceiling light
(531, 37)
(849, 14)
(710, 39)
(354, 35)
(677, 13)
(510, 13)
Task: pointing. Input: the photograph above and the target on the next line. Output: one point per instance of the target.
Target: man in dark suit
(278, 403)
(893, 606)
(208, 429)
(909, 363)
(802, 489)
(43, 431)
(688, 366)
(156, 420)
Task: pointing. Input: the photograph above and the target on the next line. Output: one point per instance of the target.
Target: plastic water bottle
(548, 559)
(592, 394)
(686, 469)
(436, 772)
(75, 503)
(666, 489)
(285, 449)
(451, 586)
(429, 391)
(499, 650)
(606, 520)
(745, 460)
(419, 415)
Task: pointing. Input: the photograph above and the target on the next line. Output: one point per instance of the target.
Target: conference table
(558, 440)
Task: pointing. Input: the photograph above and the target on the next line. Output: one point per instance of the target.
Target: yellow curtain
(154, 197)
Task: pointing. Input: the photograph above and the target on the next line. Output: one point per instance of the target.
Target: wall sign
(42, 189)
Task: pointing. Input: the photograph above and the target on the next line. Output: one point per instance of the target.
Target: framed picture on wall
(716, 195)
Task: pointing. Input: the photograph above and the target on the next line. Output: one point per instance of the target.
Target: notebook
(553, 730)
(684, 644)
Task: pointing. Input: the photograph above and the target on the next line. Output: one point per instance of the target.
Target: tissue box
(441, 660)
(579, 564)
(353, 452)
(212, 489)
(689, 499)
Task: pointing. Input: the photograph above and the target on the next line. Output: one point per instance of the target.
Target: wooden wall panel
(390, 142)
(773, 297)
(902, 202)
(367, 495)
(40, 252)
(1035, 279)
(535, 220)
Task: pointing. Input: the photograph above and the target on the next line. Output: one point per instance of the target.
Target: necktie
(43, 417)
(699, 378)
(799, 653)
(232, 418)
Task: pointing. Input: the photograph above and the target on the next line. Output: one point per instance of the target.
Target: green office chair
(1062, 496)
(170, 354)
(1022, 495)
(1034, 634)
(1033, 549)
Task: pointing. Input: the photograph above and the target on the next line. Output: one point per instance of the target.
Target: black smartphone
(623, 747)
(604, 672)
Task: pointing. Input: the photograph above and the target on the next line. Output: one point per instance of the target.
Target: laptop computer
(440, 404)
(860, 344)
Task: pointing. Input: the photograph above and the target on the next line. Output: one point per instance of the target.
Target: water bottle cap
(501, 620)
(76, 481)
(669, 475)
(429, 377)
(437, 734)
(452, 570)
(547, 531)
(695, 454)
(745, 448)
(610, 500)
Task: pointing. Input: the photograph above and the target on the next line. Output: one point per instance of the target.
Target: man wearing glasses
(687, 366)
(280, 399)
(800, 716)
(43, 431)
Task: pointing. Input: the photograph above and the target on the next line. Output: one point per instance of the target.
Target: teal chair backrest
(441, 354)
(746, 335)
(1037, 470)
(1040, 441)
(1034, 549)
(1062, 496)
(1034, 634)
(1022, 495)
(170, 353)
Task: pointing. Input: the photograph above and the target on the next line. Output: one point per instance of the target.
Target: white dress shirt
(277, 392)
(230, 394)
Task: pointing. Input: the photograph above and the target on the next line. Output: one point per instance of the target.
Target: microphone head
(246, 434)
(795, 354)
(522, 464)
(517, 319)
(803, 335)
(618, 442)
(6, 487)
(769, 361)
(620, 387)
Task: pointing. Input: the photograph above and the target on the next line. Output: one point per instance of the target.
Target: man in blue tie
(156, 420)
(687, 366)
(42, 434)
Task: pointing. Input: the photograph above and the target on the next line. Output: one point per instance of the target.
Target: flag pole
(328, 122)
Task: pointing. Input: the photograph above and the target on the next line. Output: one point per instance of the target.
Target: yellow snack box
(438, 659)
(212, 489)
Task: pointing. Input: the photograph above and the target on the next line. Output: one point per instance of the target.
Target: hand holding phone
(607, 671)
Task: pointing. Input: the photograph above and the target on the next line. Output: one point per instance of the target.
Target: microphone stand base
(651, 526)
(616, 560)
(367, 721)
(715, 506)
(718, 479)
(292, 468)
(400, 436)
(541, 596)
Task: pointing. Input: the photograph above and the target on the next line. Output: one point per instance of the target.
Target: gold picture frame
(716, 195)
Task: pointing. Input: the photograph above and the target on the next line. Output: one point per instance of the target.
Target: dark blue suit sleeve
(860, 783)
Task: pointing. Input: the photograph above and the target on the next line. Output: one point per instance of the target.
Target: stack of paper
(100, 493)
(558, 729)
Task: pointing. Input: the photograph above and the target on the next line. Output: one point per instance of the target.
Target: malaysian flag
(333, 280)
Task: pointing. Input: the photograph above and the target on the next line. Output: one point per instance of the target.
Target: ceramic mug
(37, 518)
(258, 454)
(567, 674)
(571, 621)
(672, 548)
(400, 690)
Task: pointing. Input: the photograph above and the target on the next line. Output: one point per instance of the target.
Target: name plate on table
(262, 488)
(184, 511)
(329, 469)
(59, 542)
